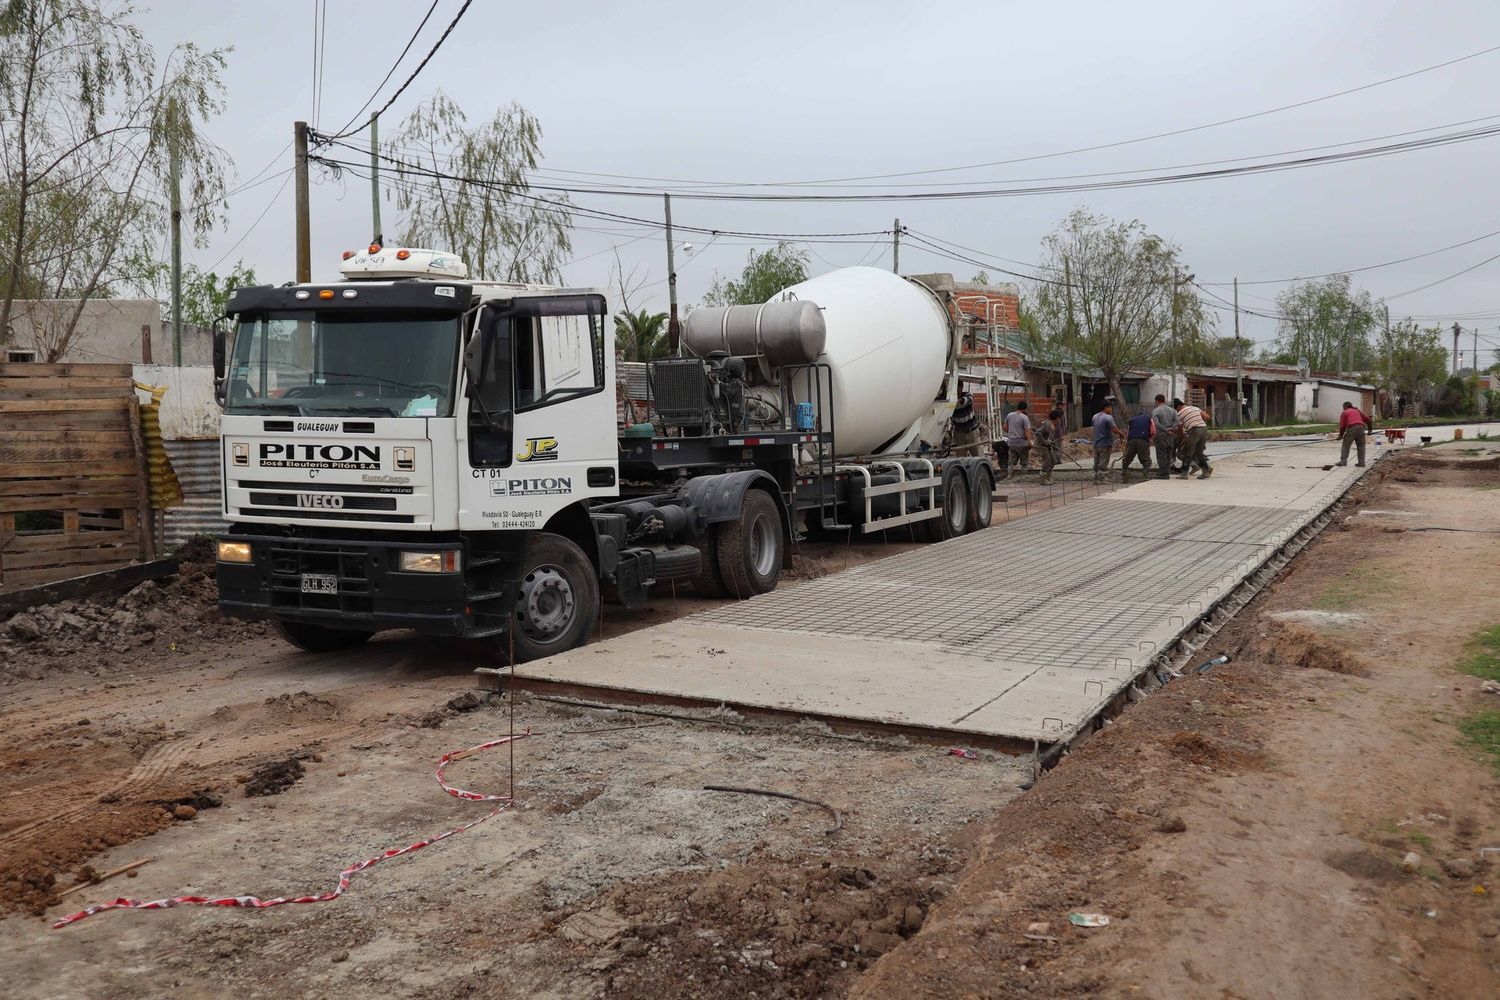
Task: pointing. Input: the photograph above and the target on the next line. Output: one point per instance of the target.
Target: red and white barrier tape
(255, 902)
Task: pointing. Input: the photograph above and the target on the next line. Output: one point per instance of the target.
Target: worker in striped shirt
(1192, 425)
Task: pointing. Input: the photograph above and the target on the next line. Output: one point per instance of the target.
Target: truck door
(541, 427)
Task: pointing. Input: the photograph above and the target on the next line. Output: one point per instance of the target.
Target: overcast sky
(780, 91)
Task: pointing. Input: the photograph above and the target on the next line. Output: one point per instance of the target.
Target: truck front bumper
(371, 593)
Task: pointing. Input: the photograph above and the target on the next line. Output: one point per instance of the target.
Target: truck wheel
(981, 499)
(558, 601)
(751, 548)
(709, 582)
(953, 495)
(319, 638)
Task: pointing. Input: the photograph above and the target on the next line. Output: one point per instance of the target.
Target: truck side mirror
(490, 400)
(219, 386)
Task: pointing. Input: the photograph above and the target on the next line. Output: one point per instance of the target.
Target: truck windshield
(329, 363)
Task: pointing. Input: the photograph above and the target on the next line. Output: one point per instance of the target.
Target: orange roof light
(402, 254)
(348, 254)
(326, 293)
(374, 247)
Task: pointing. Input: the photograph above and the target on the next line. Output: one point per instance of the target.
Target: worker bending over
(1047, 438)
(1193, 434)
(1353, 425)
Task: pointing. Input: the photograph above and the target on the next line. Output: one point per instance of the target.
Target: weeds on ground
(1484, 655)
(1420, 839)
(1482, 730)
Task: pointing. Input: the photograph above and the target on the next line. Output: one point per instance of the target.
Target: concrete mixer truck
(405, 448)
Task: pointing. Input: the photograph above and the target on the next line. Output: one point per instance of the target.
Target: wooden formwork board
(73, 488)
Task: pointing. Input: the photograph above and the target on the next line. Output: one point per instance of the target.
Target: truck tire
(709, 582)
(954, 502)
(558, 602)
(320, 638)
(981, 499)
(750, 549)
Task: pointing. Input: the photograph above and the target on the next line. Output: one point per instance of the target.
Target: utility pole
(896, 247)
(1390, 388)
(1176, 275)
(1239, 357)
(1072, 344)
(375, 175)
(304, 235)
(673, 329)
(175, 168)
(1456, 331)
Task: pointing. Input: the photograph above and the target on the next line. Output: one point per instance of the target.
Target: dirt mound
(300, 707)
(28, 880)
(1205, 751)
(274, 777)
(1291, 644)
(784, 930)
(109, 631)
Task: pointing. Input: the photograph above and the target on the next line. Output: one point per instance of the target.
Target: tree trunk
(1122, 408)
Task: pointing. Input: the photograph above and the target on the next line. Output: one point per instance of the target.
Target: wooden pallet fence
(73, 486)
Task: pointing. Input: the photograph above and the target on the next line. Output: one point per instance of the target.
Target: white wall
(1302, 400)
(188, 410)
(1331, 402)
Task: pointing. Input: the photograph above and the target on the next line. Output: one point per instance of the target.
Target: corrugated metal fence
(197, 466)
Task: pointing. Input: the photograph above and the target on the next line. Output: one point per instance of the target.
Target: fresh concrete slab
(1021, 632)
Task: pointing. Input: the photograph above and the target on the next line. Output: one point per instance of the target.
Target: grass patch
(1420, 839)
(1483, 659)
(1482, 730)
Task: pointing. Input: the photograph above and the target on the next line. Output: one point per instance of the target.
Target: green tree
(1325, 321)
(1118, 296)
(465, 190)
(641, 336)
(765, 274)
(1417, 357)
(88, 121)
(204, 293)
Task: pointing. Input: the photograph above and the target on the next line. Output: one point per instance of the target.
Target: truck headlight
(446, 561)
(235, 552)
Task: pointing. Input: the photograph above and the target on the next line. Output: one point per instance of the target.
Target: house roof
(1345, 383)
(1249, 374)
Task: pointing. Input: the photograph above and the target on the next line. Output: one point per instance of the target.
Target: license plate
(319, 583)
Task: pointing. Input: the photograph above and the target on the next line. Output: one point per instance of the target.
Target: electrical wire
(1357, 270)
(263, 212)
(1371, 152)
(414, 73)
(392, 71)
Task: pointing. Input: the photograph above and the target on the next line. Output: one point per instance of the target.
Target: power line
(1356, 270)
(1444, 139)
(420, 66)
(392, 71)
(269, 205)
(1430, 284)
(1066, 152)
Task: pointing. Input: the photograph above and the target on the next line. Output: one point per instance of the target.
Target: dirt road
(1243, 829)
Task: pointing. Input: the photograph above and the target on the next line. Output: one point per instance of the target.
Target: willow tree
(1327, 321)
(1115, 294)
(89, 126)
(465, 190)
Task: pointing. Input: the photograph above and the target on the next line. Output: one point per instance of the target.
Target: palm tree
(641, 336)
